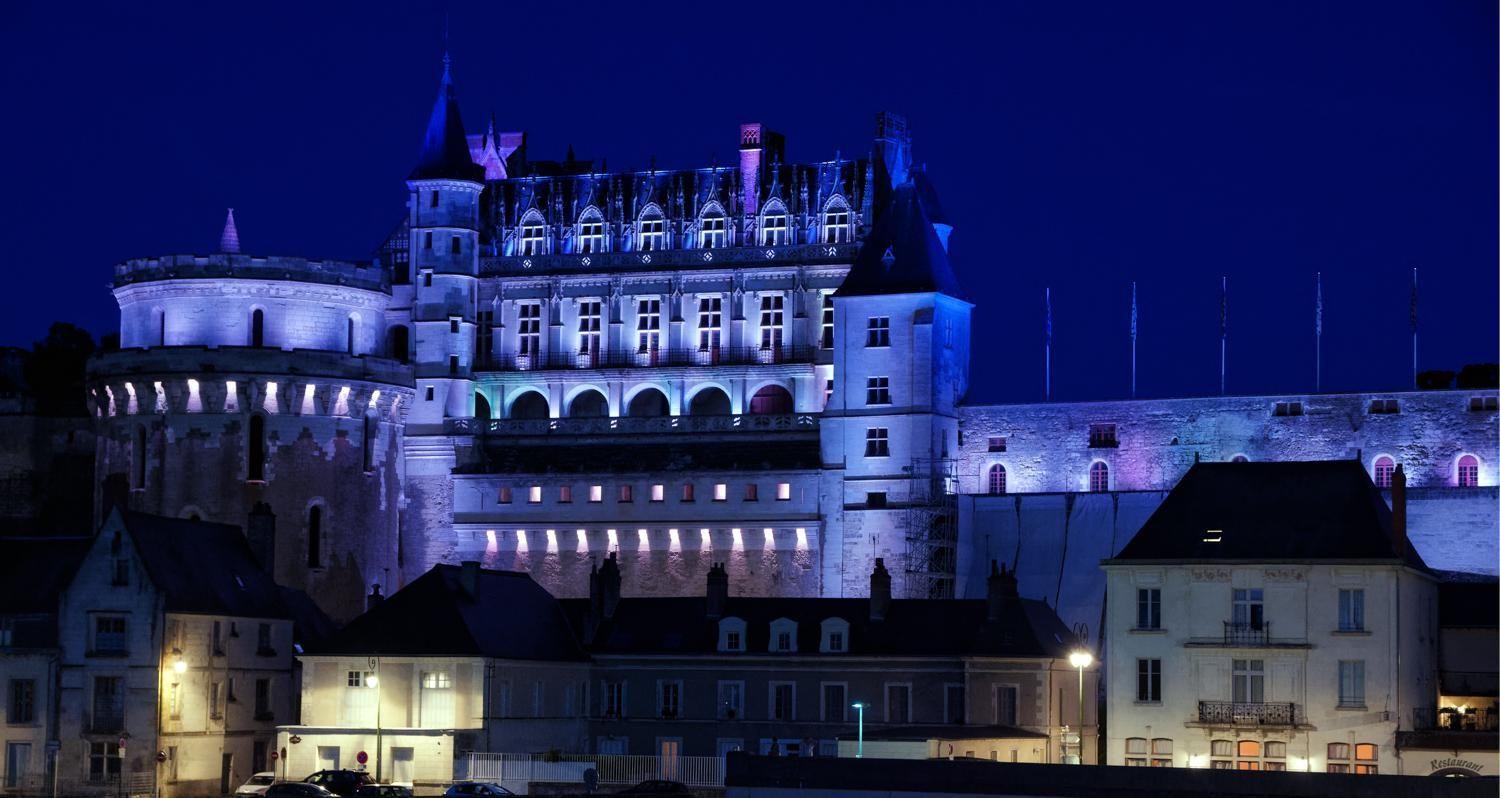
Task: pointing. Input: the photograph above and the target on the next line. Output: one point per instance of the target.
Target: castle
(762, 365)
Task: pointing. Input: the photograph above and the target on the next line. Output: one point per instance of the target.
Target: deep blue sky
(1080, 145)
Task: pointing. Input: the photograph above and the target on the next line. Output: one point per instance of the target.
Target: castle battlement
(369, 276)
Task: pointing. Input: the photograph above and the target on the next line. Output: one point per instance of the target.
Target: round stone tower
(262, 392)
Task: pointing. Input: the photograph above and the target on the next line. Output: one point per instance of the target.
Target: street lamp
(372, 681)
(180, 666)
(1080, 659)
(860, 751)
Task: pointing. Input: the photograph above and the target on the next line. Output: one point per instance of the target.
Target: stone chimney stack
(718, 591)
(468, 579)
(1002, 591)
(375, 599)
(880, 590)
(260, 533)
(609, 586)
(1398, 511)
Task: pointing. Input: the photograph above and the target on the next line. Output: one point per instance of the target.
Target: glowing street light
(180, 666)
(1080, 659)
(859, 752)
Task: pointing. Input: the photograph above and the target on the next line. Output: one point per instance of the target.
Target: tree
(1479, 375)
(1435, 380)
(54, 371)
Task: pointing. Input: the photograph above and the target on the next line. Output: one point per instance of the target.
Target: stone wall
(46, 474)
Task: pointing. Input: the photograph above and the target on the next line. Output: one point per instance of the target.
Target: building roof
(912, 627)
(35, 570)
(1271, 511)
(952, 731)
(205, 568)
(902, 254)
(445, 148)
(509, 617)
(772, 453)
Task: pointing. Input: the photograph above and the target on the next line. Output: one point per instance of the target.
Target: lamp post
(1080, 659)
(859, 752)
(373, 682)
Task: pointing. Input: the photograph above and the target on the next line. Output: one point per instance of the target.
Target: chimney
(1398, 511)
(718, 591)
(375, 599)
(609, 586)
(260, 533)
(1002, 590)
(468, 579)
(880, 590)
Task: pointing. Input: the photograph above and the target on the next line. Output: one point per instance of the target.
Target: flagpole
(1133, 330)
(1223, 332)
(1048, 376)
(1414, 327)
(1318, 331)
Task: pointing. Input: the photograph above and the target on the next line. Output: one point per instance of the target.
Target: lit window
(1384, 468)
(721, 492)
(589, 316)
(1098, 477)
(773, 230)
(1468, 471)
(771, 321)
(836, 227)
(710, 323)
(1161, 752)
(712, 232)
(529, 329)
(658, 493)
(652, 233)
(1135, 752)
(591, 236)
(783, 491)
(877, 442)
(648, 325)
(596, 493)
(826, 340)
(878, 332)
(533, 237)
(878, 391)
(534, 494)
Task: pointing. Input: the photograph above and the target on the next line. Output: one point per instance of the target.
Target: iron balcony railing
(107, 721)
(650, 358)
(787, 422)
(838, 254)
(1244, 713)
(1246, 634)
(1454, 719)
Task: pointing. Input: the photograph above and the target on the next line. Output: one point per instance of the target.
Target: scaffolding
(932, 528)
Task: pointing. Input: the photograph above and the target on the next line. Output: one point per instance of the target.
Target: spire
(229, 240)
(445, 149)
(902, 254)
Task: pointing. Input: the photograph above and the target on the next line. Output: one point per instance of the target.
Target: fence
(612, 769)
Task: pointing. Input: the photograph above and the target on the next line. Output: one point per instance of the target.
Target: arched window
(349, 336)
(532, 239)
(1099, 477)
(772, 400)
(773, 225)
(997, 479)
(1468, 471)
(530, 405)
(161, 328)
(256, 446)
(651, 231)
(140, 456)
(257, 327)
(713, 230)
(1384, 468)
(837, 228)
(481, 407)
(1239, 458)
(590, 231)
(315, 536)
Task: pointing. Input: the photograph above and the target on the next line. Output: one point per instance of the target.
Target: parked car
(475, 789)
(297, 789)
(654, 787)
(257, 784)
(340, 782)
(383, 791)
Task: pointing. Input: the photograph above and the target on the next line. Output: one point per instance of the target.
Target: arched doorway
(530, 405)
(771, 400)
(649, 403)
(588, 404)
(481, 407)
(709, 402)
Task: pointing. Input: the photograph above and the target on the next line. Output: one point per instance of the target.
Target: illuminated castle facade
(761, 365)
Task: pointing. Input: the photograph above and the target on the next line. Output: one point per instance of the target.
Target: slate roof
(35, 570)
(512, 617)
(681, 455)
(902, 254)
(445, 148)
(912, 627)
(1292, 511)
(204, 568)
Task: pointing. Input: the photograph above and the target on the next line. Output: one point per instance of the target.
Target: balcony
(626, 425)
(1247, 635)
(1448, 729)
(1232, 713)
(653, 260)
(650, 358)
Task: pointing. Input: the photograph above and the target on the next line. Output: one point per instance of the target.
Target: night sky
(1080, 145)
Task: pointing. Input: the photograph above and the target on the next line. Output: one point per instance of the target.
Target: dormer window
(713, 231)
(773, 230)
(591, 234)
(836, 227)
(533, 235)
(783, 636)
(835, 637)
(651, 234)
(731, 635)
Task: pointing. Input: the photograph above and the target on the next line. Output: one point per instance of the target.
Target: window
(877, 442)
(878, 332)
(731, 701)
(263, 640)
(1249, 681)
(836, 226)
(1135, 752)
(427, 242)
(216, 641)
(1352, 683)
(875, 499)
(835, 703)
(1351, 610)
(596, 493)
(953, 704)
(109, 705)
(505, 494)
(257, 327)
(669, 699)
(22, 705)
(731, 634)
(752, 492)
(1161, 752)
(648, 325)
(1247, 755)
(1249, 610)
(104, 762)
(712, 232)
(534, 494)
(1384, 407)
(456, 245)
(878, 391)
(533, 236)
(1148, 680)
(564, 494)
(658, 493)
(1468, 471)
(783, 701)
(721, 492)
(627, 493)
(315, 536)
(1148, 608)
(120, 571)
(652, 233)
(783, 636)
(1366, 758)
(1007, 704)
(1103, 436)
(687, 491)
(770, 321)
(997, 479)
(773, 230)
(1287, 409)
(256, 461)
(589, 316)
(1099, 477)
(1222, 752)
(614, 699)
(529, 329)
(1479, 404)
(1385, 467)
(429, 393)
(898, 703)
(591, 236)
(427, 275)
(710, 323)
(262, 699)
(783, 491)
(484, 336)
(997, 443)
(109, 636)
(826, 338)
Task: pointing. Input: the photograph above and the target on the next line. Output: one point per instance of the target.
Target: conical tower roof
(902, 254)
(229, 240)
(445, 149)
